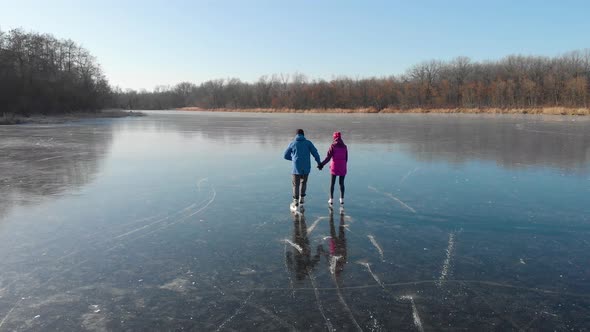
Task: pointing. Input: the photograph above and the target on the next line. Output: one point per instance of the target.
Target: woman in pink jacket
(338, 153)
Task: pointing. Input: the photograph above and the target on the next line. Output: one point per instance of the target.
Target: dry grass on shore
(283, 110)
(542, 110)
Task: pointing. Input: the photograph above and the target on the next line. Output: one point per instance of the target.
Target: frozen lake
(180, 221)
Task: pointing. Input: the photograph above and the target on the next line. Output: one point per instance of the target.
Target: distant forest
(513, 82)
(42, 74)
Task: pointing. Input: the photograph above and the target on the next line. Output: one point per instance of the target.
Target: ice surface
(178, 221)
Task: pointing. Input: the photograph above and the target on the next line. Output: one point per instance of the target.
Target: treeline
(513, 82)
(42, 74)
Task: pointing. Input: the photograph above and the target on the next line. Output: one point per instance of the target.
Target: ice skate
(301, 202)
(294, 205)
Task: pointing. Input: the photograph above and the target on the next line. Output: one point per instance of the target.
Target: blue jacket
(298, 151)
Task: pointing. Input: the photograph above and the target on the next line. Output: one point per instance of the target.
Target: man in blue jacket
(298, 152)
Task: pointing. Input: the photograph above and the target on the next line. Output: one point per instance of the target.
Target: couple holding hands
(299, 151)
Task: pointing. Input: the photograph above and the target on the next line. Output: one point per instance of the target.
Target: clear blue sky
(141, 44)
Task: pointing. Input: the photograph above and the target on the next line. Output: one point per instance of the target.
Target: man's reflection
(302, 262)
(337, 244)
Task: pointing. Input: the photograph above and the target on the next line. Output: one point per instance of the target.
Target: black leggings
(341, 182)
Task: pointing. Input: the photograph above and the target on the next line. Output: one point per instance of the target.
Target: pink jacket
(338, 152)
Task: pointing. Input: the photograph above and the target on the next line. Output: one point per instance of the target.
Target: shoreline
(370, 110)
(12, 119)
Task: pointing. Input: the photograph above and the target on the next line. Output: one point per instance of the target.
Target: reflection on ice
(37, 162)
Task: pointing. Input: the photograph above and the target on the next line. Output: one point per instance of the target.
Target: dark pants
(299, 185)
(333, 182)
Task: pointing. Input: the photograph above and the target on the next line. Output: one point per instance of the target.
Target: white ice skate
(296, 206)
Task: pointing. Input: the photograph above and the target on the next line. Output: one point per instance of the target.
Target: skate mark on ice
(288, 273)
(444, 273)
(314, 224)
(408, 174)
(183, 218)
(376, 326)
(49, 158)
(390, 195)
(377, 246)
(368, 267)
(193, 213)
(96, 241)
(200, 182)
(10, 311)
(347, 227)
(294, 245)
(156, 222)
(415, 315)
(132, 239)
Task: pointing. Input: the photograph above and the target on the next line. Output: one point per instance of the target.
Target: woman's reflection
(300, 259)
(337, 244)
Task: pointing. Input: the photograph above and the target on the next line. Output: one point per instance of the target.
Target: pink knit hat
(336, 135)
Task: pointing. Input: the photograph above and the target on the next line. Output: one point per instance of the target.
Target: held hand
(320, 166)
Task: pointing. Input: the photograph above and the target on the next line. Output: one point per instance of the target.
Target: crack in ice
(237, 312)
(319, 303)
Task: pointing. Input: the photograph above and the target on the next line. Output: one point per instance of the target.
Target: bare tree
(514, 81)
